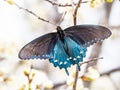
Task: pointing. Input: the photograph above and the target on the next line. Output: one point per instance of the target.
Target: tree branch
(91, 60)
(111, 71)
(42, 19)
(75, 12)
(58, 85)
(63, 5)
(115, 27)
(75, 21)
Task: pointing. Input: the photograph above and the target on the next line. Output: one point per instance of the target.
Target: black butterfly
(65, 47)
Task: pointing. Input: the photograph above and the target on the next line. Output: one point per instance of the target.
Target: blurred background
(18, 27)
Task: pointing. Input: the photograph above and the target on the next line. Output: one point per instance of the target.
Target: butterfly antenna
(42, 19)
(62, 18)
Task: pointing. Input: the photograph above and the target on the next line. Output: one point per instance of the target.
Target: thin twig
(111, 71)
(2, 58)
(75, 21)
(90, 60)
(75, 12)
(114, 83)
(34, 14)
(76, 78)
(114, 27)
(63, 5)
(58, 85)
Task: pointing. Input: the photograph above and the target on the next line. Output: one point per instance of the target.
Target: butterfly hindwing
(87, 35)
(38, 48)
(67, 53)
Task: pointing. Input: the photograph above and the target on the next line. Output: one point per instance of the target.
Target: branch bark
(63, 5)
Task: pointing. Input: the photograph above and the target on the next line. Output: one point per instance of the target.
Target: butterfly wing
(67, 54)
(87, 35)
(38, 48)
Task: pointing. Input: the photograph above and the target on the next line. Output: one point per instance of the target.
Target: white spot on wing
(70, 57)
(55, 60)
(81, 52)
(65, 62)
(78, 56)
(61, 63)
(74, 59)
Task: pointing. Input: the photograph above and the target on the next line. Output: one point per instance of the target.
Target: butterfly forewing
(38, 48)
(87, 35)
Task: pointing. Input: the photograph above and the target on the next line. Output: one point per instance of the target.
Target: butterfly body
(60, 33)
(65, 47)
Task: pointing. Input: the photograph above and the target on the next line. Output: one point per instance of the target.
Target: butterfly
(65, 47)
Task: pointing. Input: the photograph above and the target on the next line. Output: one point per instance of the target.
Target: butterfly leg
(78, 66)
(66, 71)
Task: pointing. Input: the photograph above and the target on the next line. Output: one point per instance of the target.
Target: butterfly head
(60, 33)
(59, 28)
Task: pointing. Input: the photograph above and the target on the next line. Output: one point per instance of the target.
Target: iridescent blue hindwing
(66, 54)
